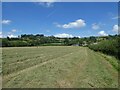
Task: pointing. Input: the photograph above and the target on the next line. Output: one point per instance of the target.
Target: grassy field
(0, 67)
(57, 67)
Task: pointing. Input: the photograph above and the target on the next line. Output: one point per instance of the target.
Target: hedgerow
(109, 47)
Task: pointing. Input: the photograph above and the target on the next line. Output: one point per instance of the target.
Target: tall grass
(109, 47)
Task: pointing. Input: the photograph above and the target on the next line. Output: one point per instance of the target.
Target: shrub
(108, 47)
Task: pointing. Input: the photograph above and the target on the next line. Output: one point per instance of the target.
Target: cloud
(79, 36)
(6, 21)
(48, 31)
(117, 17)
(46, 3)
(0, 34)
(76, 24)
(95, 26)
(14, 30)
(64, 35)
(45, 0)
(12, 36)
(115, 28)
(102, 33)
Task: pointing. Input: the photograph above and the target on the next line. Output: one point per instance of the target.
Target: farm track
(68, 67)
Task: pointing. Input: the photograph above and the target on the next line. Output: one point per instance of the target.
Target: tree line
(41, 40)
(105, 44)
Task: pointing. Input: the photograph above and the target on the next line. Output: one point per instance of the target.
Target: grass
(112, 60)
(57, 67)
(53, 44)
(0, 67)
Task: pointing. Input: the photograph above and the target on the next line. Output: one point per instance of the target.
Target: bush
(109, 47)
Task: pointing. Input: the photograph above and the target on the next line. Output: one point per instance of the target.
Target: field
(57, 67)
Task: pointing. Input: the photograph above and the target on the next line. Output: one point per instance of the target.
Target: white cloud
(12, 36)
(11, 32)
(115, 28)
(6, 21)
(45, 0)
(48, 31)
(102, 33)
(14, 30)
(0, 34)
(46, 3)
(77, 24)
(64, 35)
(117, 17)
(95, 26)
(79, 36)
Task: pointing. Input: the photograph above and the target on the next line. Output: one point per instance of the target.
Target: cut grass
(57, 67)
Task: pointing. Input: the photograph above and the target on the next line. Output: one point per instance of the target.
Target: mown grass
(0, 67)
(22, 58)
(57, 67)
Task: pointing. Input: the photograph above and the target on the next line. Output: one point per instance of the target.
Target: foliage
(110, 47)
(106, 44)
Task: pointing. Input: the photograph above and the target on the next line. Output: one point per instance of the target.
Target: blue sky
(60, 19)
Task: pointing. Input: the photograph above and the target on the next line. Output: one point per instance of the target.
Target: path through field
(57, 67)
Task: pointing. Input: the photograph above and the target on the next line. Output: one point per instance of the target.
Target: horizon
(60, 19)
(58, 37)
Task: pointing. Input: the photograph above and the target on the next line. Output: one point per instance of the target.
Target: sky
(60, 19)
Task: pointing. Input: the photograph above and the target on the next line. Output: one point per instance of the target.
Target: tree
(66, 41)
